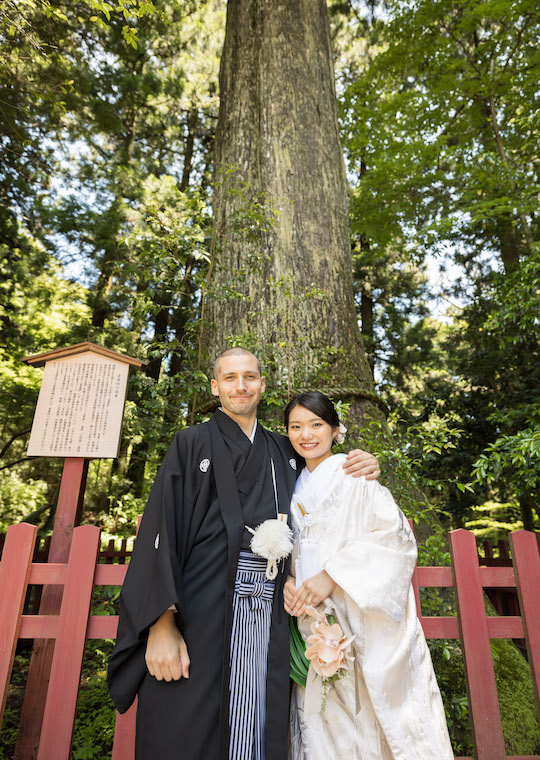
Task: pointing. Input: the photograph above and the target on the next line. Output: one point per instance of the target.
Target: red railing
(109, 553)
(75, 624)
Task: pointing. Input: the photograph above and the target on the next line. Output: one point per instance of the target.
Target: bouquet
(326, 650)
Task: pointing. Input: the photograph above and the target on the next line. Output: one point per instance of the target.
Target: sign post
(78, 417)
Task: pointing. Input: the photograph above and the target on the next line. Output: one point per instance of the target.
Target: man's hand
(311, 593)
(289, 590)
(166, 655)
(360, 463)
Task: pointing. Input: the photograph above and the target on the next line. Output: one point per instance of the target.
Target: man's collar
(252, 436)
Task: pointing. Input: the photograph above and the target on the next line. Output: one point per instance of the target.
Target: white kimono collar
(311, 486)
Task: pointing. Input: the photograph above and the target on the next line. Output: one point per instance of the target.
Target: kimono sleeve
(153, 580)
(369, 549)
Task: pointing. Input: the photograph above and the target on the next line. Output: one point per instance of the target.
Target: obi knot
(257, 589)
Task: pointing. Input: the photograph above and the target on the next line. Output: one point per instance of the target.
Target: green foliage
(124, 206)
(512, 677)
(432, 128)
(514, 687)
(439, 121)
(516, 699)
(513, 457)
(10, 724)
(299, 665)
(21, 497)
(447, 661)
(493, 520)
(94, 723)
(517, 454)
(38, 309)
(407, 462)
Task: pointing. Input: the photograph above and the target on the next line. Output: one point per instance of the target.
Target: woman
(354, 557)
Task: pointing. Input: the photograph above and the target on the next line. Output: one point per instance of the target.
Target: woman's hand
(360, 463)
(311, 593)
(167, 657)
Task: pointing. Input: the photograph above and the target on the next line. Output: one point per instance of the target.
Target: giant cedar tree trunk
(284, 277)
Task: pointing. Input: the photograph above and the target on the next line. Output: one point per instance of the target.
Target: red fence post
(527, 571)
(14, 572)
(68, 511)
(480, 676)
(124, 734)
(416, 585)
(59, 715)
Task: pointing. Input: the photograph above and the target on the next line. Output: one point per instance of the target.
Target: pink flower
(327, 647)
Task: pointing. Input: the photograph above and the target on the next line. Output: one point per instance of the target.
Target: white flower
(340, 435)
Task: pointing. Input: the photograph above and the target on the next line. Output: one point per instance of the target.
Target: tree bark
(282, 280)
(527, 504)
(366, 314)
(139, 451)
(191, 123)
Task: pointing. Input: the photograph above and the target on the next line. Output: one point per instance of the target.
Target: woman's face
(310, 436)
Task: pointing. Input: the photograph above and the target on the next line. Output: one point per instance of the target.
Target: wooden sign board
(80, 407)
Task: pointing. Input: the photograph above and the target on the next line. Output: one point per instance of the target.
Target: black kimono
(212, 483)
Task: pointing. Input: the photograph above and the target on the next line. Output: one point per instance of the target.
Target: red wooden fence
(110, 554)
(75, 624)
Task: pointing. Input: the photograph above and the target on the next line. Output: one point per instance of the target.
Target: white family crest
(292, 462)
(156, 542)
(204, 465)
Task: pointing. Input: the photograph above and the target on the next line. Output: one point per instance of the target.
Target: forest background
(108, 119)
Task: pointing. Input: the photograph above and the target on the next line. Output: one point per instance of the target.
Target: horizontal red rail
(104, 627)
(441, 577)
(428, 577)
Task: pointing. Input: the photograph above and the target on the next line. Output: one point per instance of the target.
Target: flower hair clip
(340, 435)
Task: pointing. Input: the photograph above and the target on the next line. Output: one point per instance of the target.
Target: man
(203, 635)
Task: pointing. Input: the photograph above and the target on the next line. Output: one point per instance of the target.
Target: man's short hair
(235, 351)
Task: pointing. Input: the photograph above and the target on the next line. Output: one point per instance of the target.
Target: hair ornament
(340, 435)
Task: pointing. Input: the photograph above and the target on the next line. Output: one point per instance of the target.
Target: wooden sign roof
(38, 360)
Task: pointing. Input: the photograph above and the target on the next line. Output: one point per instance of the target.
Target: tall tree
(281, 242)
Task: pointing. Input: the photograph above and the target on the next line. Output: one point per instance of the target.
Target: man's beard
(242, 410)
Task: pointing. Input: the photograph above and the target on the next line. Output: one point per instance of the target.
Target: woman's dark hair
(317, 403)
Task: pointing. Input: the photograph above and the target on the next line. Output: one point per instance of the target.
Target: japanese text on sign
(80, 408)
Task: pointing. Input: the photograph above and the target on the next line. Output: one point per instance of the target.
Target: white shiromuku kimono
(391, 709)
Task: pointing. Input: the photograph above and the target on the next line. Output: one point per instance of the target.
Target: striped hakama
(252, 610)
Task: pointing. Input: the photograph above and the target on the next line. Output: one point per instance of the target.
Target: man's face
(239, 385)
